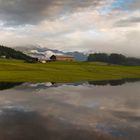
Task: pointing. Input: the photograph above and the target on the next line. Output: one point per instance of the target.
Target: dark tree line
(114, 59)
(8, 53)
(113, 82)
(8, 85)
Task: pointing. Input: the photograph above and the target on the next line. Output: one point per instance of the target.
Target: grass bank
(18, 71)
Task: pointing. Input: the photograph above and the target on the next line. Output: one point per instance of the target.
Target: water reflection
(8, 85)
(113, 82)
(19, 124)
(71, 111)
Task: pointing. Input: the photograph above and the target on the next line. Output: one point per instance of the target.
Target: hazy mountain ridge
(10, 53)
(42, 52)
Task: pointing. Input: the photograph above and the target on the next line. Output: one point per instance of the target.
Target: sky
(72, 25)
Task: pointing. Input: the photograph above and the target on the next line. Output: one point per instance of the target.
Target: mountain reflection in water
(97, 110)
(8, 85)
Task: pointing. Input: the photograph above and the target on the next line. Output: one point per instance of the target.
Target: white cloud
(86, 28)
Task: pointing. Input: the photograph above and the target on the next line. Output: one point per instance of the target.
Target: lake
(95, 110)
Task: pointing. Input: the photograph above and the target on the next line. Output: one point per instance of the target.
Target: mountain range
(46, 53)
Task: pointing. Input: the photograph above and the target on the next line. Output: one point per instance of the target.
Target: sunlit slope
(14, 70)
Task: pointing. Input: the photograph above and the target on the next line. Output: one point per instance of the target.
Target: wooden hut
(61, 58)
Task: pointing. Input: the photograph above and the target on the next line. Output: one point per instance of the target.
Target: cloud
(72, 25)
(132, 21)
(20, 12)
(134, 4)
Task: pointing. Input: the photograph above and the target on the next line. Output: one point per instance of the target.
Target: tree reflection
(112, 82)
(8, 85)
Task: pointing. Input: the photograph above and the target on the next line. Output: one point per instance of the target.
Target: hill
(10, 53)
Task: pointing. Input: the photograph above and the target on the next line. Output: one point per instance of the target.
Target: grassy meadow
(19, 71)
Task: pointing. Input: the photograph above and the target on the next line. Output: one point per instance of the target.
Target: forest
(114, 58)
(10, 53)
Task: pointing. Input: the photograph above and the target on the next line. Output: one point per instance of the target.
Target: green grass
(18, 71)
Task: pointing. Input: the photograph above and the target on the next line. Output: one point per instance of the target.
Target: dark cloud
(128, 22)
(20, 12)
(134, 4)
(14, 12)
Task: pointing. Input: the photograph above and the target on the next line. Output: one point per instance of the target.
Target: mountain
(6, 52)
(40, 52)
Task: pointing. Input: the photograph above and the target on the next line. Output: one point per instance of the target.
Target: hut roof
(64, 56)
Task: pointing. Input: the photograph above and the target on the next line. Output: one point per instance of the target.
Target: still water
(105, 110)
